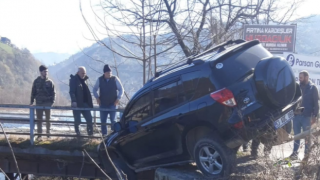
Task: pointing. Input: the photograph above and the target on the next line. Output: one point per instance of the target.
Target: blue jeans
(87, 116)
(298, 122)
(104, 116)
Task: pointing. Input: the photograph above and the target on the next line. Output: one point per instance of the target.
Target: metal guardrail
(32, 119)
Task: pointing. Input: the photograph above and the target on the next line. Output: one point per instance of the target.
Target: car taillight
(238, 125)
(225, 97)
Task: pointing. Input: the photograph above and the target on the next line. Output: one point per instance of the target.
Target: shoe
(78, 134)
(255, 155)
(293, 156)
(78, 137)
(39, 138)
(48, 132)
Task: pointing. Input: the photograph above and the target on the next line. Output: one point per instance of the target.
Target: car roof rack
(219, 47)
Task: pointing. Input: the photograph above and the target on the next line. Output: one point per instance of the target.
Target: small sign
(219, 66)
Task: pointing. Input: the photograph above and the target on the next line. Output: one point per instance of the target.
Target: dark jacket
(108, 91)
(77, 91)
(310, 98)
(43, 91)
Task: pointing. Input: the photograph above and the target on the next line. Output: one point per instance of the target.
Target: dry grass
(68, 144)
(34, 177)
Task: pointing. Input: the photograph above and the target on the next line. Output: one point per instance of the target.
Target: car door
(164, 133)
(132, 145)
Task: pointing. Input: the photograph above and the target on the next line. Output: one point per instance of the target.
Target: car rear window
(238, 65)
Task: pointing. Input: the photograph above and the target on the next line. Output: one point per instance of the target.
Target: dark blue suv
(202, 110)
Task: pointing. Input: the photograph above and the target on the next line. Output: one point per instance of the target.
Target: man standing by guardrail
(110, 93)
(44, 94)
(304, 120)
(81, 97)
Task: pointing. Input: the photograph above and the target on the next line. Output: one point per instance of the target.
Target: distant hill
(18, 70)
(96, 56)
(130, 72)
(51, 58)
(308, 37)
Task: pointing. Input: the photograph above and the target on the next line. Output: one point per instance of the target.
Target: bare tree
(134, 44)
(193, 25)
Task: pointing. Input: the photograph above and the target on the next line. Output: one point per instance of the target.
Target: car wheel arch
(115, 154)
(195, 133)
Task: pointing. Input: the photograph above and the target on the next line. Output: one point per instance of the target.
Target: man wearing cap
(44, 94)
(110, 92)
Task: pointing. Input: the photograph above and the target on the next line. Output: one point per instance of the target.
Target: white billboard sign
(302, 62)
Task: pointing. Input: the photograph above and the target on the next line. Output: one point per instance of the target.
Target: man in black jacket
(81, 97)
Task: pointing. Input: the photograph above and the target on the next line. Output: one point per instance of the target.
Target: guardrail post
(31, 125)
(120, 114)
(94, 118)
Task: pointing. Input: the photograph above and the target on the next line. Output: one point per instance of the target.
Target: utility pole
(155, 53)
(144, 44)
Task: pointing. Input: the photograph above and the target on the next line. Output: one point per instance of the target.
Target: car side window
(205, 87)
(167, 97)
(140, 110)
(181, 94)
(190, 81)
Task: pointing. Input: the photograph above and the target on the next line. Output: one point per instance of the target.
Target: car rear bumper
(255, 129)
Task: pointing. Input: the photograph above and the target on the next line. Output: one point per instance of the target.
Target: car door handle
(179, 116)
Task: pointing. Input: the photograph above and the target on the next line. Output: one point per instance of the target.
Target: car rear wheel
(213, 158)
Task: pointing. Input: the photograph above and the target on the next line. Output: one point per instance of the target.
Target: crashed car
(203, 110)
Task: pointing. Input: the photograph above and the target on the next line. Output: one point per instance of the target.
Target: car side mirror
(117, 127)
(132, 126)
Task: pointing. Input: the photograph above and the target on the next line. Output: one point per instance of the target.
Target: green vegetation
(18, 70)
(6, 48)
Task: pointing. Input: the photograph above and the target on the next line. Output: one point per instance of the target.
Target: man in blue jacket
(110, 93)
(310, 98)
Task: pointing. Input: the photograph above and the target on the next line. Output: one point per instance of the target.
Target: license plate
(283, 120)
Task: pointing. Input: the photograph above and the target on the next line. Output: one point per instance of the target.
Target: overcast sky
(57, 25)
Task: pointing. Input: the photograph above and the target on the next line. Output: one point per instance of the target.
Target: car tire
(214, 158)
(123, 169)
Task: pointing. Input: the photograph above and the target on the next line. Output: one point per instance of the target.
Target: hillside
(6, 48)
(308, 36)
(51, 58)
(18, 70)
(130, 73)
